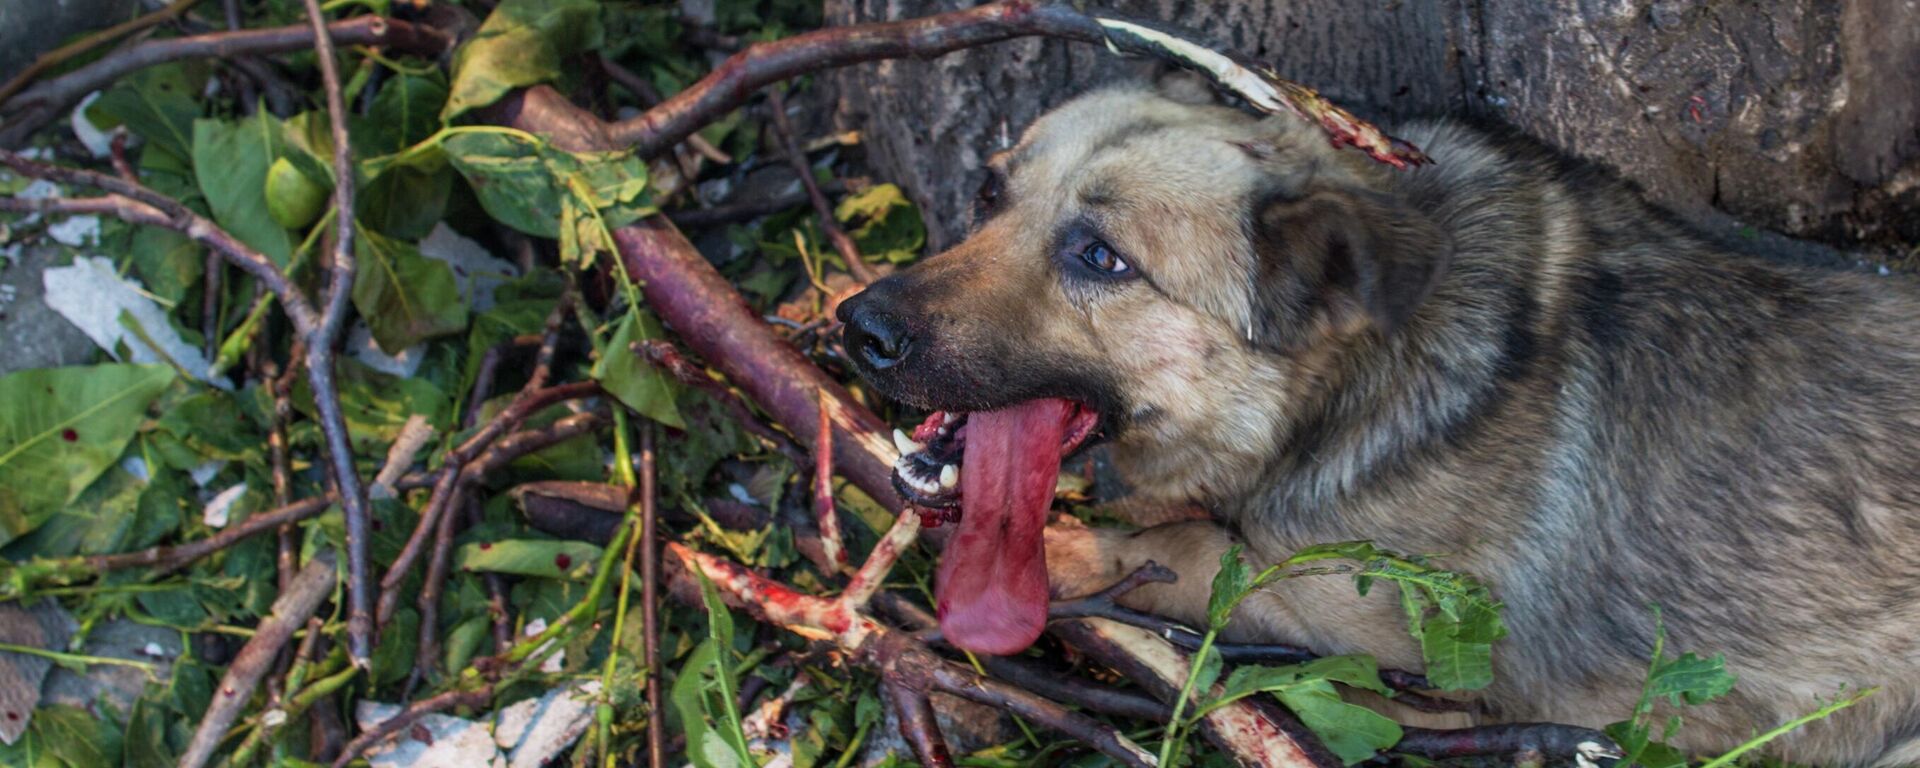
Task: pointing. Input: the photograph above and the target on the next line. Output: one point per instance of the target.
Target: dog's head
(1156, 269)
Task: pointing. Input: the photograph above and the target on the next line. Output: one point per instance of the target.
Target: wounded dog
(1503, 358)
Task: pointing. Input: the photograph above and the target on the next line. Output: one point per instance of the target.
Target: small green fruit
(293, 200)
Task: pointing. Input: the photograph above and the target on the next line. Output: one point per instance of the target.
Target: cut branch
(290, 611)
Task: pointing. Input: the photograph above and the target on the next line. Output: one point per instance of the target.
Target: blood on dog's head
(1129, 241)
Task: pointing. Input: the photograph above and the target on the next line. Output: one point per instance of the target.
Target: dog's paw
(1083, 560)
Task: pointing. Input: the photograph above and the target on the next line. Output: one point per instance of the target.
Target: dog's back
(1599, 412)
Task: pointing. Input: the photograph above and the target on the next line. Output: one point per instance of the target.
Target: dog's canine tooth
(949, 417)
(949, 476)
(905, 443)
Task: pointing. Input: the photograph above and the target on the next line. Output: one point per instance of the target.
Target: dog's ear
(1340, 262)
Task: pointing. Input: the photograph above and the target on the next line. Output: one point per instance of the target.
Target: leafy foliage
(60, 429)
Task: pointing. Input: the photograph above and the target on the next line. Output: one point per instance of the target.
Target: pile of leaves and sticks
(388, 496)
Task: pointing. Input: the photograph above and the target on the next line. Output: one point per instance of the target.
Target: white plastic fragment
(92, 296)
(221, 507)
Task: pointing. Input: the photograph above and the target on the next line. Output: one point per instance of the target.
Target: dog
(1505, 358)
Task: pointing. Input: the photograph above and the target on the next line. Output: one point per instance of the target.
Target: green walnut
(293, 200)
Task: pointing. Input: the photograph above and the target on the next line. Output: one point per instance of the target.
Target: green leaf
(146, 740)
(1691, 679)
(632, 380)
(545, 559)
(158, 104)
(230, 160)
(405, 112)
(703, 694)
(404, 297)
(1454, 662)
(511, 180)
(376, 405)
(884, 223)
(546, 192)
(1230, 585)
(60, 428)
(1353, 732)
(521, 43)
(405, 201)
(99, 521)
(393, 657)
(77, 737)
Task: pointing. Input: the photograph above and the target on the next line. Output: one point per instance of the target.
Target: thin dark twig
(650, 596)
(290, 611)
(164, 559)
(454, 699)
(1105, 605)
(822, 210)
(1551, 739)
(531, 399)
(746, 210)
(664, 354)
(333, 319)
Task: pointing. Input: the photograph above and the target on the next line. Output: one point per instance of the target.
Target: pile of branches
(296, 665)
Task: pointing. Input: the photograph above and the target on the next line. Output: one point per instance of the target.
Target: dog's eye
(1100, 256)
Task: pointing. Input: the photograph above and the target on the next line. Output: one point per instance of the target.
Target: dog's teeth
(905, 443)
(949, 476)
(949, 417)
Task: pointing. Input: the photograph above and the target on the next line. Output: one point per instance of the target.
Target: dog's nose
(874, 336)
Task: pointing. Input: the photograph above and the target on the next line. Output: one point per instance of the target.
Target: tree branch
(43, 103)
(735, 80)
(290, 611)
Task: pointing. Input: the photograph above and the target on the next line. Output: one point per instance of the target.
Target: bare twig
(833, 552)
(1584, 745)
(917, 724)
(164, 559)
(822, 210)
(664, 354)
(650, 597)
(320, 341)
(746, 210)
(290, 611)
(453, 699)
(47, 101)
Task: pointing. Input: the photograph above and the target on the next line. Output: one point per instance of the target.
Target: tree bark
(1797, 116)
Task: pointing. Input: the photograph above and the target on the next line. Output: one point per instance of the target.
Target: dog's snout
(875, 337)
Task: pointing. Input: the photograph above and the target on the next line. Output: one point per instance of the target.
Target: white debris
(449, 742)
(477, 272)
(92, 296)
(535, 731)
(136, 466)
(221, 507)
(205, 471)
(76, 231)
(99, 143)
(361, 345)
(554, 663)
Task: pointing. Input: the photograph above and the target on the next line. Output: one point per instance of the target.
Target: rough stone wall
(1796, 116)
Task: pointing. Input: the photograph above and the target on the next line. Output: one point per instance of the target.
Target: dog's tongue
(991, 589)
